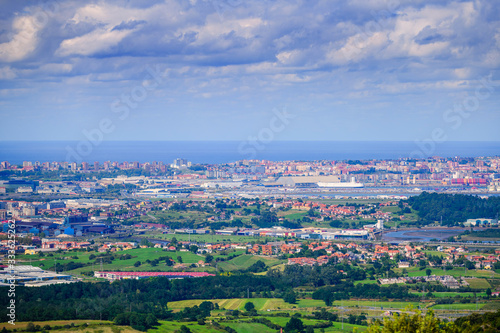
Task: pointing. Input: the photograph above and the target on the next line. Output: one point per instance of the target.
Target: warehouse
(307, 181)
(144, 275)
(29, 276)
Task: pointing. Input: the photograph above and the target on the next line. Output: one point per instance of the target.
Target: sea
(220, 152)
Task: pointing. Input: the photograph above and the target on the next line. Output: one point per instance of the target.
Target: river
(420, 235)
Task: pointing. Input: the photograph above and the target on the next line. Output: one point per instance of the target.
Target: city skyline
(230, 70)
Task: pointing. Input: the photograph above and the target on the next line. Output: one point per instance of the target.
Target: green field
(367, 281)
(245, 261)
(242, 261)
(171, 326)
(94, 326)
(492, 306)
(242, 327)
(208, 238)
(125, 265)
(375, 304)
(478, 283)
(276, 304)
(283, 320)
(455, 272)
(293, 214)
(468, 306)
(391, 209)
(226, 304)
(337, 327)
(261, 304)
(22, 325)
(451, 294)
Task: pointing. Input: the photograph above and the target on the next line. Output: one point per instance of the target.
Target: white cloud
(111, 25)
(99, 40)
(215, 31)
(358, 47)
(462, 73)
(352, 53)
(6, 73)
(432, 34)
(56, 68)
(23, 42)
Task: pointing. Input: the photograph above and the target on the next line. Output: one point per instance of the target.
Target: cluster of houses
(77, 217)
(320, 260)
(484, 261)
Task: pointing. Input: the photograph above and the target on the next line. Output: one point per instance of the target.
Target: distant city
(156, 179)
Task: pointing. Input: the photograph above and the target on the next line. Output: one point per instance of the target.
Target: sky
(387, 70)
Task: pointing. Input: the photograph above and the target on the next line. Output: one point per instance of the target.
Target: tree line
(453, 209)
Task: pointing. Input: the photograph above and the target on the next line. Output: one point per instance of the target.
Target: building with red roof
(145, 275)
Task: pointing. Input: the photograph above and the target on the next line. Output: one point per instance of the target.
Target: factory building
(307, 181)
(144, 275)
(30, 276)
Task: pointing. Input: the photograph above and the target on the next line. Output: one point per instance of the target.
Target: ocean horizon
(219, 152)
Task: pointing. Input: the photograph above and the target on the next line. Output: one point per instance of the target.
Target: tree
(121, 319)
(290, 297)
(137, 264)
(193, 248)
(179, 259)
(488, 322)
(257, 267)
(294, 325)
(30, 327)
(209, 258)
(206, 307)
(184, 329)
(469, 265)
(413, 322)
(428, 272)
(151, 320)
(249, 306)
(488, 292)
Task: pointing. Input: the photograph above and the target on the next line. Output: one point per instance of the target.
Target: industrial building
(480, 222)
(347, 234)
(144, 275)
(307, 181)
(30, 276)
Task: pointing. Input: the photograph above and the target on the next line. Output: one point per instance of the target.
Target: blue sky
(222, 69)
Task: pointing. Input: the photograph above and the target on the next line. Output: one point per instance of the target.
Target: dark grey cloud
(128, 25)
(428, 35)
